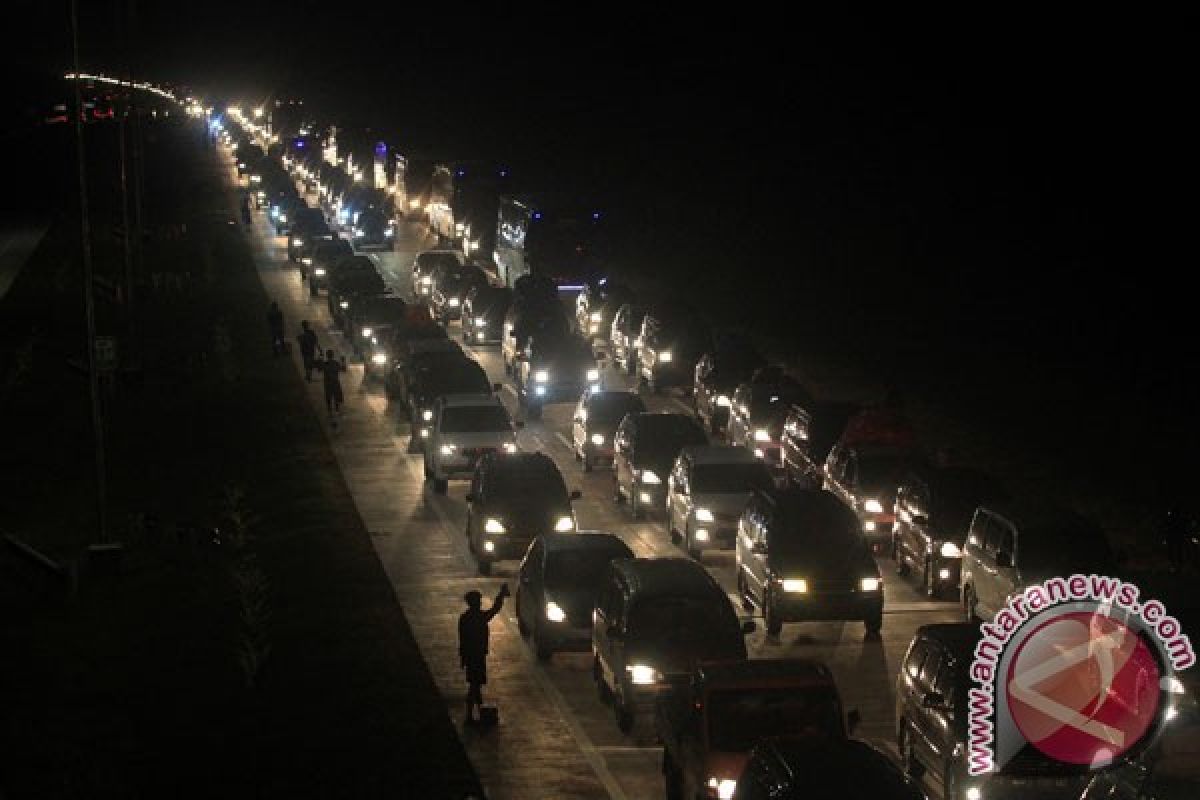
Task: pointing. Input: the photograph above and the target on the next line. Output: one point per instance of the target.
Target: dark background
(982, 207)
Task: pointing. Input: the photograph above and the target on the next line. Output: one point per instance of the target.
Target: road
(555, 738)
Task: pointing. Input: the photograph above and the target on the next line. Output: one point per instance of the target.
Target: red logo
(1083, 688)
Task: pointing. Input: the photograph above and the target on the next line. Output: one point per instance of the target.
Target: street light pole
(88, 296)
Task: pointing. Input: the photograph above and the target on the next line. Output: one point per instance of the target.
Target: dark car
(1168, 770)
(325, 257)
(801, 556)
(483, 314)
(623, 335)
(435, 378)
(373, 316)
(816, 768)
(757, 416)
(644, 451)
(513, 499)
(307, 224)
(558, 585)
(424, 265)
(932, 715)
(865, 478)
(554, 369)
(596, 306)
(284, 210)
(374, 229)
(809, 433)
(934, 507)
(669, 346)
(522, 321)
(348, 285)
(595, 424)
(450, 287)
(716, 377)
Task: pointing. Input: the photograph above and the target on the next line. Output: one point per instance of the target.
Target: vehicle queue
(803, 490)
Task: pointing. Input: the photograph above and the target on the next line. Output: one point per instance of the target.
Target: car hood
(822, 559)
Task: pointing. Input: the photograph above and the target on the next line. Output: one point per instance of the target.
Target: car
(597, 304)
(423, 266)
(595, 423)
(450, 286)
(706, 492)
(716, 377)
(557, 587)
(623, 334)
(1167, 770)
(307, 224)
(513, 499)
(420, 356)
(809, 433)
(450, 376)
(757, 415)
(352, 278)
(934, 507)
(709, 728)
(554, 369)
(1012, 546)
(645, 447)
(283, 210)
(656, 619)
(865, 478)
(669, 346)
(931, 719)
(483, 314)
(371, 316)
(801, 556)
(465, 427)
(819, 768)
(325, 257)
(374, 229)
(522, 320)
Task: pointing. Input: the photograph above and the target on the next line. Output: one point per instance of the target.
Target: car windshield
(579, 569)
(666, 434)
(718, 478)
(772, 401)
(426, 262)
(737, 719)
(880, 471)
(611, 407)
(475, 419)
(675, 619)
(540, 486)
(455, 381)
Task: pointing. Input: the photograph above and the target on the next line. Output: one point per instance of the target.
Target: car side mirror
(933, 700)
(576, 494)
(749, 626)
(1004, 560)
(853, 719)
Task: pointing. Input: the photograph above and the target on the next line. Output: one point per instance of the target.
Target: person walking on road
(275, 323)
(473, 646)
(308, 348)
(331, 368)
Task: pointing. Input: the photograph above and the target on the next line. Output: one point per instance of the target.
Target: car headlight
(379, 359)
(597, 316)
(344, 304)
(428, 279)
(510, 447)
(480, 322)
(761, 435)
(724, 787)
(427, 414)
(869, 584)
(493, 525)
(319, 272)
(447, 449)
(597, 439)
(283, 217)
(950, 550)
(297, 243)
(649, 476)
(723, 401)
(974, 793)
(541, 376)
(704, 515)
(664, 356)
(564, 524)
(358, 232)
(873, 506)
(593, 375)
(453, 301)
(306, 261)
(390, 232)
(554, 613)
(366, 332)
(642, 675)
(797, 585)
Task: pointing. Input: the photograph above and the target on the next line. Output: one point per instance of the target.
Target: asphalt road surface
(555, 738)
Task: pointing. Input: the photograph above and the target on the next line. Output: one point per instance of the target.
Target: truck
(709, 727)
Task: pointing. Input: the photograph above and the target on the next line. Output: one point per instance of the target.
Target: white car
(707, 491)
(464, 428)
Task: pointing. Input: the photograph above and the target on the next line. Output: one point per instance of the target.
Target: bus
(565, 241)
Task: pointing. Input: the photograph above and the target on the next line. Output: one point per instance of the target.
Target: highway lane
(555, 738)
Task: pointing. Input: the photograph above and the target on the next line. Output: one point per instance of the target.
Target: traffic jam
(775, 513)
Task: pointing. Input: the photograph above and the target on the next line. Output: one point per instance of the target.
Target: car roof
(464, 400)
(810, 508)
(583, 540)
(533, 465)
(718, 454)
(757, 672)
(666, 576)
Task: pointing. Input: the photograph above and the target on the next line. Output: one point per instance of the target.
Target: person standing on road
(473, 646)
(308, 348)
(275, 323)
(331, 368)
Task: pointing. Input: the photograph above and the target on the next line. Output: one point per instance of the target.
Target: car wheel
(602, 690)
(312, 290)
(672, 780)
(618, 498)
(544, 651)
(623, 713)
(428, 472)
(440, 485)
(587, 463)
(635, 508)
(485, 567)
(522, 628)
(696, 553)
(771, 619)
(874, 623)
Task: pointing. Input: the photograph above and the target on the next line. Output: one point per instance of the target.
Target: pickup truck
(709, 728)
